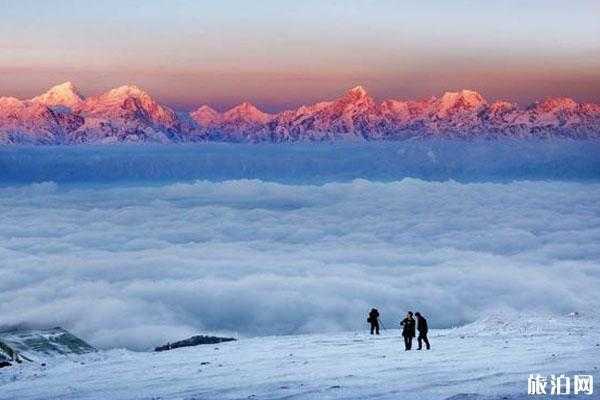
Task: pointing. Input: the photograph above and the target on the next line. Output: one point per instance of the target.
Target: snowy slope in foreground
(488, 359)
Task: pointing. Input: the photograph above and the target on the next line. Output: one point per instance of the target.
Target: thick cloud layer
(138, 266)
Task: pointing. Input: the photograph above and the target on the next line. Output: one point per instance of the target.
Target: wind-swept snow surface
(490, 359)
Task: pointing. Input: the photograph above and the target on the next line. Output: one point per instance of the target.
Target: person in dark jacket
(422, 328)
(374, 321)
(408, 330)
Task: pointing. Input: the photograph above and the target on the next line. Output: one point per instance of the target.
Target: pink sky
(281, 54)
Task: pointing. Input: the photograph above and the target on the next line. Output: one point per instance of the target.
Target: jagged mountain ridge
(129, 114)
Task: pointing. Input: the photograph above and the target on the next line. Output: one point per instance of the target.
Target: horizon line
(378, 100)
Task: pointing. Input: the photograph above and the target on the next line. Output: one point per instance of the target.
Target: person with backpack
(408, 330)
(422, 328)
(373, 319)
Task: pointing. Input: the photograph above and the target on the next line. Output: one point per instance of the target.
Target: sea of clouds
(140, 264)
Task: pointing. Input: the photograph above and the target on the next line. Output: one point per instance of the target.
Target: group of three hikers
(409, 327)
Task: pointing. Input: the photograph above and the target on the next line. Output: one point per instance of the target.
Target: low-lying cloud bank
(432, 159)
(138, 266)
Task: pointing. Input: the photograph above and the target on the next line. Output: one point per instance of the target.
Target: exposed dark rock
(194, 341)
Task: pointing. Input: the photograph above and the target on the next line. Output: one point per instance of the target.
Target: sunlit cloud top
(279, 54)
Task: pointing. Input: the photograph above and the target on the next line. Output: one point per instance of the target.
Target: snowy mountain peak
(126, 91)
(502, 104)
(65, 94)
(205, 115)
(452, 102)
(247, 106)
(357, 95)
(357, 91)
(465, 97)
(206, 109)
(556, 103)
(129, 112)
(247, 112)
(354, 100)
(124, 97)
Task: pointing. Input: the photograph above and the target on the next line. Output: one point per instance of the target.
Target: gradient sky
(278, 54)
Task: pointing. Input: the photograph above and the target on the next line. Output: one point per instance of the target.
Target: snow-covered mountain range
(128, 114)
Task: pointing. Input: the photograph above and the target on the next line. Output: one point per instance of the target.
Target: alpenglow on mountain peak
(126, 91)
(64, 94)
(465, 96)
(129, 114)
(358, 91)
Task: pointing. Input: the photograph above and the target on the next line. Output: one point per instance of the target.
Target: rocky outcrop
(19, 344)
(194, 341)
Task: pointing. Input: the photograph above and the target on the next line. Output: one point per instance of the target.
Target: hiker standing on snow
(408, 330)
(374, 321)
(422, 328)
